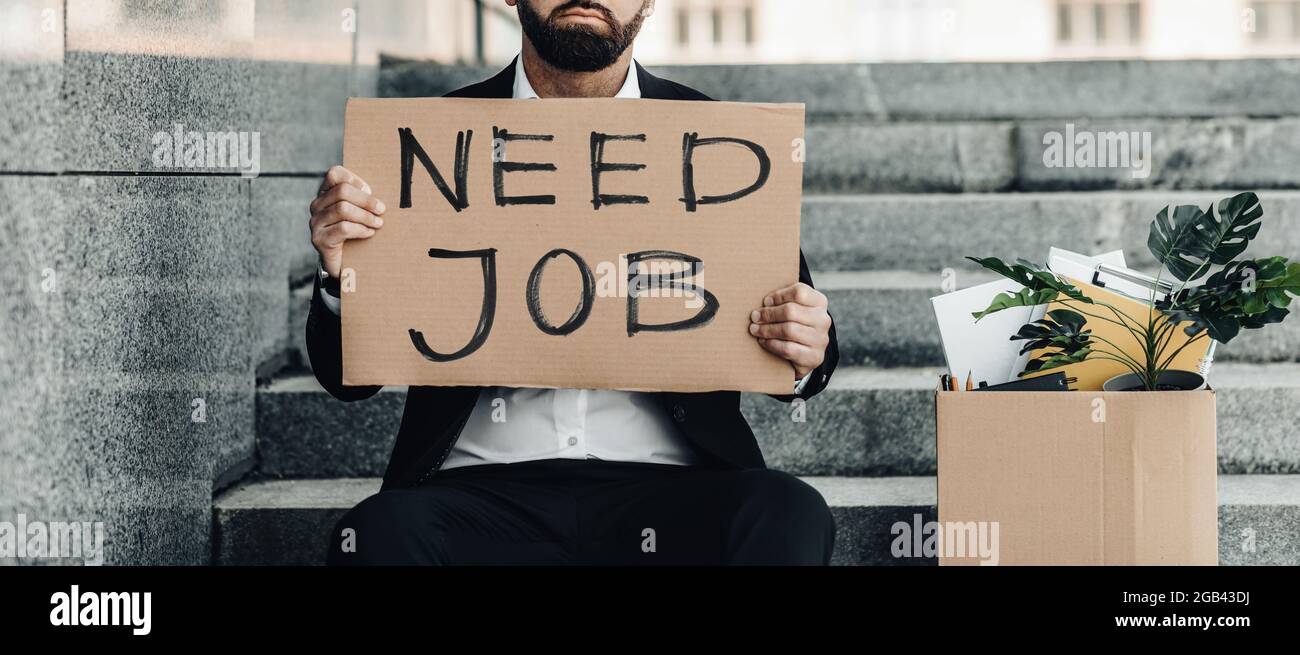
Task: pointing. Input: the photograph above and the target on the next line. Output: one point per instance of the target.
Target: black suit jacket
(434, 416)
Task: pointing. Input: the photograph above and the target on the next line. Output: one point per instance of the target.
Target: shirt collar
(524, 90)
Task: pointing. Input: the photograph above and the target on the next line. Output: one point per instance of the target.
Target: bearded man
(575, 476)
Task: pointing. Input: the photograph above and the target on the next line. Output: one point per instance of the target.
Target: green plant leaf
(1254, 303)
(1071, 321)
(1023, 298)
(1187, 240)
(1051, 361)
(1279, 288)
(1243, 295)
(1014, 272)
(1222, 324)
(1274, 268)
(1060, 335)
(1228, 285)
(1269, 317)
(1041, 285)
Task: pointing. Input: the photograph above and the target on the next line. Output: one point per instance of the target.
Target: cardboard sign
(593, 243)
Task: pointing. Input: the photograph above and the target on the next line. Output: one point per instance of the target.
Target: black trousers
(562, 511)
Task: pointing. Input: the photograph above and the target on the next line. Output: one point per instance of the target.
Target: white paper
(982, 350)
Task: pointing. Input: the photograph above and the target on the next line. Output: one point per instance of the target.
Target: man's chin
(584, 23)
(584, 27)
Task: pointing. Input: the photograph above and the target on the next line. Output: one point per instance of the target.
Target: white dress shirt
(510, 425)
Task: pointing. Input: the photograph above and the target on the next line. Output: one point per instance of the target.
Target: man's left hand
(794, 325)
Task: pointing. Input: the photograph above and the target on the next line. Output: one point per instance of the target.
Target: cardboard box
(1078, 477)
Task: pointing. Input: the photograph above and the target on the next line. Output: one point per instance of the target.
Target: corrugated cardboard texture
(1137, 486)
(749, 247)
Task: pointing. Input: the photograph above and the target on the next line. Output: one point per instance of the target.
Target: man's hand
(794, 325)
(343, 210)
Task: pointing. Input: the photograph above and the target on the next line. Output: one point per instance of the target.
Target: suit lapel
(501, 85)
(651, 86)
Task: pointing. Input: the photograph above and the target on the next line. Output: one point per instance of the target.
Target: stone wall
(141, 301)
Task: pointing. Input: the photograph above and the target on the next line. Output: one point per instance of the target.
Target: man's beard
(578, 48)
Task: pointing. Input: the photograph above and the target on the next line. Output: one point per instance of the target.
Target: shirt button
(679, 413)
(573, 441)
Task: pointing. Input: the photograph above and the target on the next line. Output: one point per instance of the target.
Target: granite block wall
(144, 295)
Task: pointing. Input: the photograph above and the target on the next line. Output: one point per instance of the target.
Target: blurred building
(781, 31)
(712, 31)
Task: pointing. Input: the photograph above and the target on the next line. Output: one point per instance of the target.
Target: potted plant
(1216, 295)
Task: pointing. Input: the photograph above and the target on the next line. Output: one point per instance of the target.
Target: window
(720, 27)
(1099, 25)
(1064, 23)
(1134, 21)
(1276, 22)
(1099, 22)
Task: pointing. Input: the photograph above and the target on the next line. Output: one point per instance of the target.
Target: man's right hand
(343, 210)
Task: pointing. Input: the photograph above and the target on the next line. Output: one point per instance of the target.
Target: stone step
(959, 91)
(287, 522)
(885, 318)
(1223, 153)
(870, 422)
(931, 232)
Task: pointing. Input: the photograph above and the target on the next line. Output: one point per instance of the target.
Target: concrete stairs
(870, 422)
(911, 167)
(287, 521)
